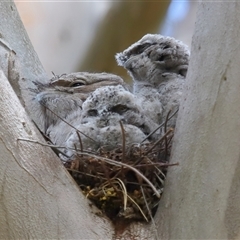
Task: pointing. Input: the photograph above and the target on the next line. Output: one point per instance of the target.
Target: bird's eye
(92, 113)
(77, 84)
(120, 109)
(140, 49)
(166, 46)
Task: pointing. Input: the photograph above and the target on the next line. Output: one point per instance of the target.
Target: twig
(161, 139)
(112, 162)
(86, 174)
(124, 191)
(67, 123)
(149, 212)
(40, 143)
(138, 208)
(150, 134)
(123, 141)
(80, 141)
(166, 121)
(159, 179)
(165, 130)
(49, 145)
(123, 147)
(157, 164)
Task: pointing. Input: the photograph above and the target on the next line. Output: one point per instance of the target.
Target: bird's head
(154, 56)
(109, 105)
(109, 114)
(65, 94)
(84, 83)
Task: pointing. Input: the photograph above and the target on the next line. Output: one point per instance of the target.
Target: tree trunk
(38, 198)
(19, 61)
(202, 195)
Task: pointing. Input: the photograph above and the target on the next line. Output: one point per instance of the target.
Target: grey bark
(38, 198)
(19, 61)
(202, 195)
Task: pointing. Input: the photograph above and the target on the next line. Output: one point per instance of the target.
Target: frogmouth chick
(158, 66)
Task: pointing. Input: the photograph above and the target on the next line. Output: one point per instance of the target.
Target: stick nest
(124, 183)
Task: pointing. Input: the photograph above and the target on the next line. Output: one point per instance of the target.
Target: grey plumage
(158, 67)
(65, 94)
(95, 103)
(101, 114)
(113, 103)
(95, 109)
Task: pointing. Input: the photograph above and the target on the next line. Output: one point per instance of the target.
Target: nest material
(124, 183)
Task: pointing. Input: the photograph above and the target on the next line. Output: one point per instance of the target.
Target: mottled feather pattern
(96, 103)
(158, 66)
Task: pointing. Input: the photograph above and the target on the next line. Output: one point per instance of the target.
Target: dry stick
(106, 172)
(112, 162)
(67, 122)
(157, 164)
(57, 151)
(115, 163)
(165, 130)
(80, 141)
(127, 166)
(123, 141)
(170, 139)
(146, 203)
(123, 157)
(161, 139)
(86, 174)
(138, 184)
(139, 208)
(159, 179)
(123, 147)
(124, 191)
(159, 171)
(166, 121)
(149, 212)
(42, 144)
(150, 134)
(49, 145)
